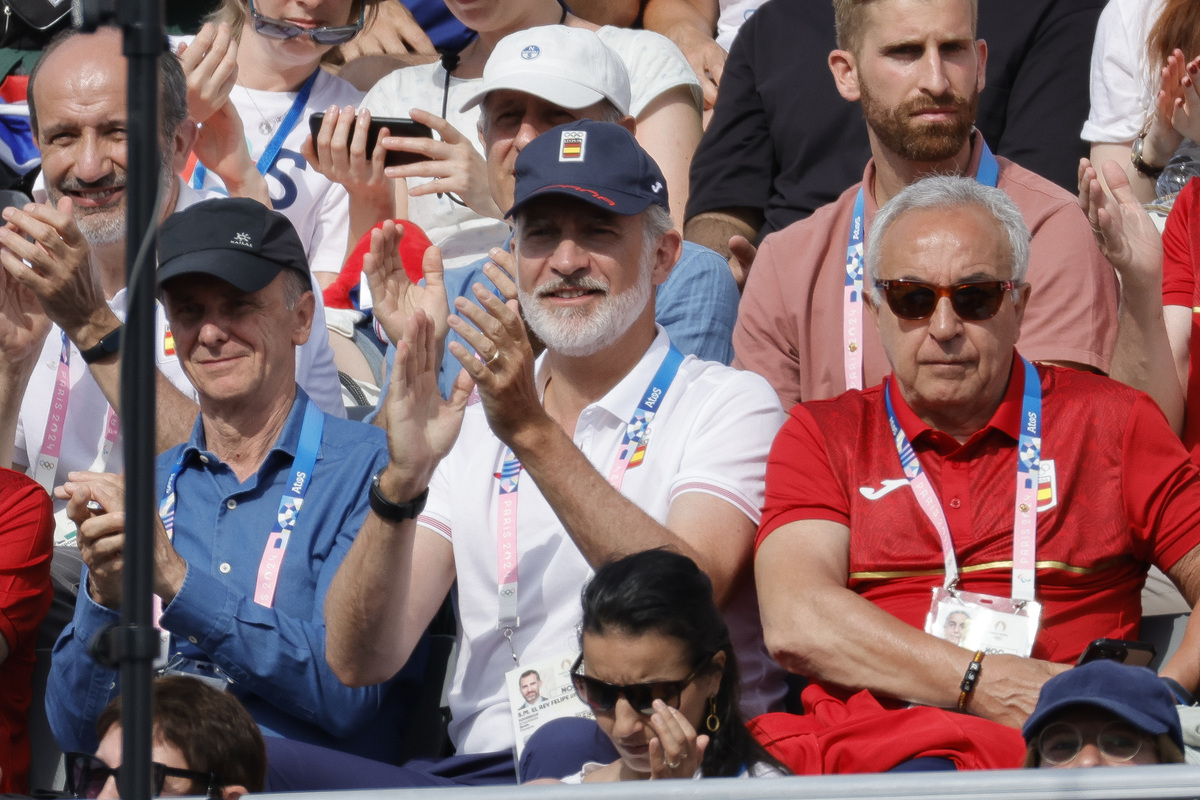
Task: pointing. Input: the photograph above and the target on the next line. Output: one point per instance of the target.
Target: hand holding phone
(396, 127)
(1136, 654)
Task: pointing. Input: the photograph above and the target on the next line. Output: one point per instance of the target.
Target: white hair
(945, 193)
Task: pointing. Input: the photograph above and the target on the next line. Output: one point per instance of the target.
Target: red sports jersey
(1181, 252)
(1118, 492)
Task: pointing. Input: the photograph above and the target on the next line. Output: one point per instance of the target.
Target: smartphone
(1136, 654)
(396, 127)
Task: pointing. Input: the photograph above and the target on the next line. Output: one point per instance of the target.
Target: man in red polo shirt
(1033, 498)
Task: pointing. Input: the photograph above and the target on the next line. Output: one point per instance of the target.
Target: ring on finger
(492, 358)
(672, 764)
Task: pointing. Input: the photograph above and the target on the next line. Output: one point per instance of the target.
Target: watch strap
(108, 345)
(1135, 156)
(394, 512)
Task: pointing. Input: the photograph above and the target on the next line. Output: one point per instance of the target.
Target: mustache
(569, 282)
(110, 181)
(927, 103)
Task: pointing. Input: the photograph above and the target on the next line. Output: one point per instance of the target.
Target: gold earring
(713, 723)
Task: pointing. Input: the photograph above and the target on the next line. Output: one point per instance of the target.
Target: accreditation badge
(983, 622)
(540, 691)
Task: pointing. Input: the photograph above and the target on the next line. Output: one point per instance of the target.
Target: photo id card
(539, 692)
(983, 622)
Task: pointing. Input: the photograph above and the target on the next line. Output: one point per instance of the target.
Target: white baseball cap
(569, 67)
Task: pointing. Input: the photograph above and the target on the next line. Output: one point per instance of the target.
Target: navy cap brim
(614, 200)
(1132, 715)
(246, 271)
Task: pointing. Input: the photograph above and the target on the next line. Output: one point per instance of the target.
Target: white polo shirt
(711, 434)
(84, 425)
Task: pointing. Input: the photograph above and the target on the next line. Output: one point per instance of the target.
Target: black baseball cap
(236, 239)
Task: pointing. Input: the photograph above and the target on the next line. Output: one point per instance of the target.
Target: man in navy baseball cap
(1104, 714)
(598, 162)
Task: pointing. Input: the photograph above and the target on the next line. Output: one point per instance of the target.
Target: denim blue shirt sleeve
(698, 304)
(274, 656)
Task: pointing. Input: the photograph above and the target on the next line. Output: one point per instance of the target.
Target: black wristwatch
(1135, 156)
(107, 346)
(394, 512)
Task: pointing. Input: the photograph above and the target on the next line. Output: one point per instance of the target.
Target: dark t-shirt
(784, 141)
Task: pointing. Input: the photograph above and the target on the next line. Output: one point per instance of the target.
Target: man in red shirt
(969, 472)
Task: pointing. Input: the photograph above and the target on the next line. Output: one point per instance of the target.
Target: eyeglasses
(86, 776)
(1061, 742)
(601, 696)
(325, 34)
(971, 301)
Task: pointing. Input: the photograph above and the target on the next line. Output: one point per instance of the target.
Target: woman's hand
(210, 64)
(454, 165)
(340, 153)
(677, 750)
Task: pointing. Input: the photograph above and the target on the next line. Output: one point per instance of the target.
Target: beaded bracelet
(970, 679)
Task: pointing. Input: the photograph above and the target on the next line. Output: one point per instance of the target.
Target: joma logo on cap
(572, 145)
(242, 239)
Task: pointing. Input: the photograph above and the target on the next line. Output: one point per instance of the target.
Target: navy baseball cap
(236, 239)
(597, 162)
(1135, 694)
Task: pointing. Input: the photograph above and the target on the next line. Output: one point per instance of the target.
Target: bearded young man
(917, 69)
(570, 433)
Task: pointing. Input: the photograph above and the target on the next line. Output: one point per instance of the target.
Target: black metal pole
(144, 43)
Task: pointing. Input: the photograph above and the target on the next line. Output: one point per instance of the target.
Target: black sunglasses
(325, 34)
(86, 776)
(1061, 742)
(601, 696)
(916, 300)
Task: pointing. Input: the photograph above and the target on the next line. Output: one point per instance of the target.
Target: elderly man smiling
(1033, 497)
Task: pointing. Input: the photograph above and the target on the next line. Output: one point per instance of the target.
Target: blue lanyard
(1029, 453)
(852, 313)
(267, 159)
(289, 504)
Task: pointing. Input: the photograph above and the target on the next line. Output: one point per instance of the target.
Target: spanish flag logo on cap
(572, 145)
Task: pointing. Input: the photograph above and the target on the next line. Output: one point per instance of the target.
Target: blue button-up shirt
(275, 657)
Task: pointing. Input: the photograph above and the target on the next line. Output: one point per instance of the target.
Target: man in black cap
(570, 434)
(255, 509)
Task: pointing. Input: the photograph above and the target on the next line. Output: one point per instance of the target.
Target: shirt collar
(1006, 418)
(623, 398)
(287, 443)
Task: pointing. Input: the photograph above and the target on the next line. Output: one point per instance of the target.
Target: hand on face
(676, 751)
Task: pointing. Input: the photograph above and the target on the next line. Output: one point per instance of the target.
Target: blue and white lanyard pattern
(629, 455)
(852, 305)
(289, 505)
(267, 159)
(1029, 454)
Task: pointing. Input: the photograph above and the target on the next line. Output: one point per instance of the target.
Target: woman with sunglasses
(254, 79)
(658, 671)
(447, 193)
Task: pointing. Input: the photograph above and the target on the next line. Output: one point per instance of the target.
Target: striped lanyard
(1029, 456)
(852, 307)
(267, 159)
(285, 519)
(630, 454)
(45, 466)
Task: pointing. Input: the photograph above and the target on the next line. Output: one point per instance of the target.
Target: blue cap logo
(531, 52)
